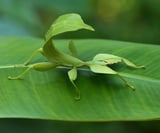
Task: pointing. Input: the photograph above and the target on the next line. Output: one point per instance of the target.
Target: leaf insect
(99, 64)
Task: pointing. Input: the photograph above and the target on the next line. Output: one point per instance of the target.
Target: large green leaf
(50, 95)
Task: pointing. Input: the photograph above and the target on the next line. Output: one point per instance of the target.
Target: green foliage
(49, 95)
(131, 20)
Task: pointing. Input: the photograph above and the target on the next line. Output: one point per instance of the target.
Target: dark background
(127, 20)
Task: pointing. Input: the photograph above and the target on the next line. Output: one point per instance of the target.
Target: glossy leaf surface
(50, 95)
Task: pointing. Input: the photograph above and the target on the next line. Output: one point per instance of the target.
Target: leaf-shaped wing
(66, 23)
(112, 59)
(106, 70)
(101, 69)
(107, 58)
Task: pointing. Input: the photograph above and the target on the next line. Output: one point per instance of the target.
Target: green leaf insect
(56, 58)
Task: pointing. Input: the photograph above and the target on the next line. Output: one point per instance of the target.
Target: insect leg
(126, 82)
(130, 64)
(106, 70)
(32, 56)
(42, 66)
(21, 75)
(72, 74)
(72, 48)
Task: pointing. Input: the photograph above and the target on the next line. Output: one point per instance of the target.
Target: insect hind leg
(21, 75)
(126, 82)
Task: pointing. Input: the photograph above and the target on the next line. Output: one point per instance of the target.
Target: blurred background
(40, 126)
(126, 20)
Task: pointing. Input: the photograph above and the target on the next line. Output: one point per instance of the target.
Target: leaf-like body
(107, 58)
(101, 69)
(56, 56)
(64, 23)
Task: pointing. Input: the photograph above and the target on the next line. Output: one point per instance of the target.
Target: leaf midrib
(140, 77)
(132, 76)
